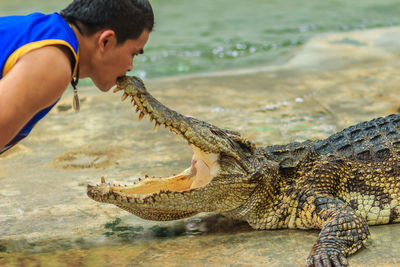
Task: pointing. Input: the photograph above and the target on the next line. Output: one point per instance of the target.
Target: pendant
(75, 102)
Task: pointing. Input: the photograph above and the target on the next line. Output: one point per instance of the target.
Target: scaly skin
(340, 185)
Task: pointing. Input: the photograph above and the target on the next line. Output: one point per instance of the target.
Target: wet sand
(332, 82)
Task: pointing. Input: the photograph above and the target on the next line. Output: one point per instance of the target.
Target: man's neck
(86, 48)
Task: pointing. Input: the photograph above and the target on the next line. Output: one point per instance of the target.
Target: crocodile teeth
(117, 89)
(124, 96)
(138, 103)
(156, 126)
(141, 116)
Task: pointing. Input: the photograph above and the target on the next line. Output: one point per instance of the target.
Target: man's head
(127, 18)
(110, 34)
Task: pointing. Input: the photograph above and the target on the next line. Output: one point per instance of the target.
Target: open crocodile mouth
(204, 164)
(202, 170)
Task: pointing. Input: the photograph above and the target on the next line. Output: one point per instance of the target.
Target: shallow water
(244, 248)
(332, 81)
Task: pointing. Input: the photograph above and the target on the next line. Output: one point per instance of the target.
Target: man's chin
(105, 87)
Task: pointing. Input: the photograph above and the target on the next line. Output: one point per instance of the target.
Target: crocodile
(340, 185)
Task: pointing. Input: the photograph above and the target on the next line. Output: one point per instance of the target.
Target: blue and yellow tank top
(22, 34)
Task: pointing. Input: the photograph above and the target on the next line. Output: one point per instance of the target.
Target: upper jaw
(205, 136)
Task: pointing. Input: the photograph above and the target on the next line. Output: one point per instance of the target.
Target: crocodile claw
(327, 259)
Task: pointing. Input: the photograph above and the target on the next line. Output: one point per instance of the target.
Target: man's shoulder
(23, 34)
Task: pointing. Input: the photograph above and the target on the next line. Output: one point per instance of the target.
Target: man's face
(115, 60)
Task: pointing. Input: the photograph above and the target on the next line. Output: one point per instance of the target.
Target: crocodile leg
(343, 232)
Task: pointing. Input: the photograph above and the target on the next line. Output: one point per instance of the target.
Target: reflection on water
(237, 245)
(47, 220)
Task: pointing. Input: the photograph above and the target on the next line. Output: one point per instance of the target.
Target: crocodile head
(220, 177)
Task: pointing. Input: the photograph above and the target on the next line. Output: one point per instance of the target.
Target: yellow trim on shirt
(17, 54)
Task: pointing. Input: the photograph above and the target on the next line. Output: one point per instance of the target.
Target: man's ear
(107, 39)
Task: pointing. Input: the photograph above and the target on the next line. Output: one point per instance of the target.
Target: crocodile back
(288, 155)
(374, 140)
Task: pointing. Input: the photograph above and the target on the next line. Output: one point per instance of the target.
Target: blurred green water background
(203, 36)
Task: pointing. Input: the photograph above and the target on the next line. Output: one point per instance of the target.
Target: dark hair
(127, 18)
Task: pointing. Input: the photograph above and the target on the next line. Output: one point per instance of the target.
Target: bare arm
(35, 82)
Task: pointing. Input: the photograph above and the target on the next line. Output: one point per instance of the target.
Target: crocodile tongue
(203, 175)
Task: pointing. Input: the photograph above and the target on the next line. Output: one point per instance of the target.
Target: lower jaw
(198, 175)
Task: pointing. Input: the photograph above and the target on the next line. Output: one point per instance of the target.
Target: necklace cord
(74, 83)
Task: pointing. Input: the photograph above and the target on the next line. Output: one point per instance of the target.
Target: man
(41, 54)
